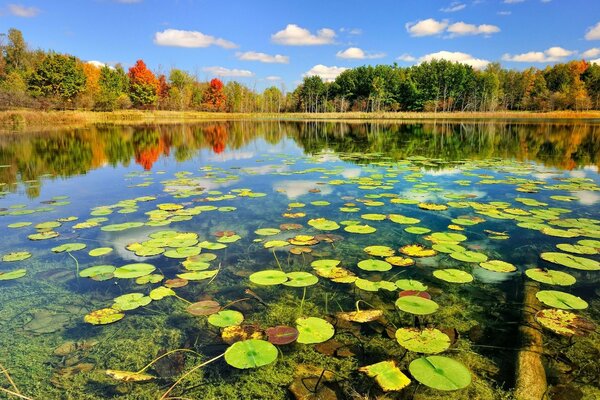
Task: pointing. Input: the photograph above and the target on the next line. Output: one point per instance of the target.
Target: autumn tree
(143, 85)
(59, 76)
(214, 99)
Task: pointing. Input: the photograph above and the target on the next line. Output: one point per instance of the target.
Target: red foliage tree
(163, 87)
(214, 98)
(140, 74)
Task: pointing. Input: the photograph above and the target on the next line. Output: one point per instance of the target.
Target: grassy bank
(19, 120)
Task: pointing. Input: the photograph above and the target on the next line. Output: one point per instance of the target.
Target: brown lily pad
(205, 307)
(281, 335)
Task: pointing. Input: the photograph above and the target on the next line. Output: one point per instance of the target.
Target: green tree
(60, 76)
(113, 88)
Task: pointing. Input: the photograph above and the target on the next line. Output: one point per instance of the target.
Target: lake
(302, 259)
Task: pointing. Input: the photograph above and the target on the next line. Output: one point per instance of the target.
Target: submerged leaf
(428, 340)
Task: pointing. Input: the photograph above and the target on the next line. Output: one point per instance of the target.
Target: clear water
(50, 352)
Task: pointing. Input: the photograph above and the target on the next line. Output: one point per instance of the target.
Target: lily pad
(416, 305)
(558, 299)
(251, 353)
(429, 340)
(161, 292)
(268, 277)
(577, 248)
(417, 230)
(469, 256)
(97, 270)
(68, 247)
(447, 237)
(10, 275)
(564, 322)
(323, 224)
(453, 275)
(387, 375)
(300, 279)
(103, 316)
(411, 284)
(379, 251)
(440, 373)
(498, 266)
(43, 235)
(282, 335)
(197, 275)
(131, 301)
(204, 307)
(550, 277)
(448, 248)
(374, 265)
(401, 219)
(314, 330)
(571, 261)
(267, 231)
(400, 261)
(374, 286)
(416, 250)
(16, 256)
(360, 229)
(226, 318)
(100, 251)
(134, 270)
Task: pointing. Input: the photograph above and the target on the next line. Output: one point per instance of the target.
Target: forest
(46, 80)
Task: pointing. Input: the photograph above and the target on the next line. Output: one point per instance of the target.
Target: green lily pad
(551, 277)
(10, 275)
(469, 256)
(314, 330)
(19, 225)
(410, 284)
(43, 235)
(100, 251)
(197, 275)
(374, 265)
(577, 248)
(267, 231)
(387, 375)
(68, 247)
(401, 219)
(251, 353)
(416, 305)
(453, 275)
(428, 340)
(226, 318)
(373, 217)
(161, 292)
(211, 245)
(16, 256)
(417, 230)
(182, 252)
(275, 244)
(379, 251)
(152, 278)
(103, 316)
(300, 279)
(323, 224)
(448, 248)
(374, 286)
(97, 270)
(557, 299)
(571, 261)
(440, 373)
(268, 277)
(131, 301)
(360, 229)
(448, 237)
(134, 270)
(121, 227)
(325, 263)
(498, 266)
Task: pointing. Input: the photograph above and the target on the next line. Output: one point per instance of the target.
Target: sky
(273, 42)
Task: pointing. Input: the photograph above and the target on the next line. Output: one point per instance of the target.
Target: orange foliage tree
(214, 98)
(143, 85)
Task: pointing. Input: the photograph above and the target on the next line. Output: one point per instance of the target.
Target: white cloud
(263, 57)
(461, 29)
(453, 7)
(406, 58)
(549, 55)
(273, 78)
(99, 64)
(456, 56)
(596, 61)
(23, 11)
(356, 53)
(294, 35)
(328, 74)
(226, 72)
(591, 53)
(179, 38)
(593, 32)
(426, 27)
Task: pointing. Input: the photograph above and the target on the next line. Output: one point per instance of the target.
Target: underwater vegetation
(268, 272)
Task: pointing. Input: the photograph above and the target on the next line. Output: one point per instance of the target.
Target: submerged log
(531, 376)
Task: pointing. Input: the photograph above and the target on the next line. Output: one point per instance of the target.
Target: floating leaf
(564, 322)
(43, 235)
(401, 219)
(197, 275)
(469, 256)
(453, 275)
(360, 229)
(323, 224)
(268, 277)
(416, 305)
(410, 284)
(373, 217)
(131, 301)
(551, 277)
(68, 247)
(416, 250)
(103, 316)
(121, 227)
(152, 278)
(429, 340)
(571, 261)
(226, 318)
(447, 237)
(161, 292)
(204, 307)
(275, 243)
(100, 251)
(400, 261)
(565, 301)
(281, 335)
(433, 206)
(250, 353)
(314, 330)
(387, 375)
(379, 251)
(440, 373)
(325, 263)
(182, 252)
(134, 270)
(498, 266)
(97, 270)
(418, 230)
(577, 248)
(374, 286)
(10, 275)
(16, 256)
(374, 265)
(448, 248)
(300, 279)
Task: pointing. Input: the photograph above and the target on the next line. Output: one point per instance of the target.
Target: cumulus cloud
(596, 61)
(180, 38)
(294, 35)
(356, 53)
(406, 58)
(591, 53)
(426, 27)
(456, 56)
(22, 11)
(229, 73)
(453, 7)
(549, 55)
(593, 32)
(99, 64)
(328, 74)
(462, 29)
(263, 57)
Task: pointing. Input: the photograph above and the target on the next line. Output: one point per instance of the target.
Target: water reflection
(27, 157)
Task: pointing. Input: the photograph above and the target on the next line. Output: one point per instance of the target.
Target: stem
(302, 302)
(326, 303)
(76, 263)
(277, 260)
(12, 383)
(164, 355)
(164, 396)
(233, 302)
(19, 395)
(213, 278)
(360, 300)
(182, 299)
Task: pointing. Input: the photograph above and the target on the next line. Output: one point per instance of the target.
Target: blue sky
(266, 42)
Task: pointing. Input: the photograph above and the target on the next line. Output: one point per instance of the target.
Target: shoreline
(26, 120)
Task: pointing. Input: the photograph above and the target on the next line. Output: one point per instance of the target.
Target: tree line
(48, 80)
